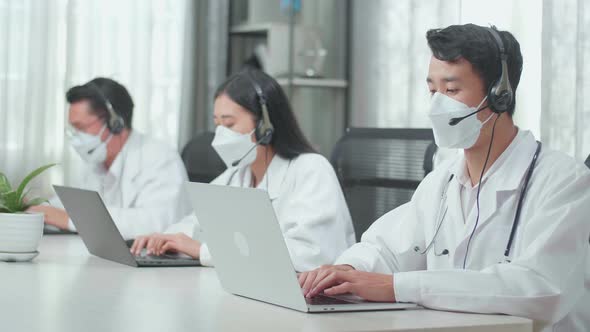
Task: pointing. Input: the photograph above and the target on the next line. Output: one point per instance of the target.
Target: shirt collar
(512, 164)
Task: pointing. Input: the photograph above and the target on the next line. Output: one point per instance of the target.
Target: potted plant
(20, 231)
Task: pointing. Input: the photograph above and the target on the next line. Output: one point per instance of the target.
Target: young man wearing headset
(139, 179)
(503, 228)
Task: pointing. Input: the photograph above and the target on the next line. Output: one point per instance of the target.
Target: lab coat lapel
(496, 189)
(488, 205)
(453, 196)
(129, 166)
(272, 181)
(275, 176)
(454, 212)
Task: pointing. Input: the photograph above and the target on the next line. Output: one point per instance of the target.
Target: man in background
(139, 179)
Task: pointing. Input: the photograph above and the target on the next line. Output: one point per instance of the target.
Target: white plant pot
(20, 232)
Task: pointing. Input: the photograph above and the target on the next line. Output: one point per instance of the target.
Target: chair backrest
(379, 169)
(200, 159)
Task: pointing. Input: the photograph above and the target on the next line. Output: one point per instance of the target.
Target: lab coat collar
(518, 162)
(123, 163)
(272, 181)
(275, 176)
(508, 176)
(508, 170)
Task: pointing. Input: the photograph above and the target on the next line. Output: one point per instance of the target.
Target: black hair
(476, 44)
(288, 140)
(96, 91)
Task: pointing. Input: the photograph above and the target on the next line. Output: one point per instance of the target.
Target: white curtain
(566, 76)
(389, 60)
(49, 46)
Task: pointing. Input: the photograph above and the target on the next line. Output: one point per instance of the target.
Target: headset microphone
(259, 142)
(237, 162)
(455, 121)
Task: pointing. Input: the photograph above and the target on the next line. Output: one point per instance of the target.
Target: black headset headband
(115, 122)
(264, 128)
(500, 95)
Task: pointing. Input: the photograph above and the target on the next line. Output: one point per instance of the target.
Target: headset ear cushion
(500, 101)
(267, 137)
(263, 137)
(116, 125)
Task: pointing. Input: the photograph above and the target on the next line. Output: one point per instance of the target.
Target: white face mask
(90, 147)
(231, 146)
(464, 134)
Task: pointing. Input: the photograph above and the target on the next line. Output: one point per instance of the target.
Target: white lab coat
(143, 189)
(548, 279)
(309, 205)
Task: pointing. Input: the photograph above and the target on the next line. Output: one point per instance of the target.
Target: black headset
(264, 129)
(500, 95)
(115, 122)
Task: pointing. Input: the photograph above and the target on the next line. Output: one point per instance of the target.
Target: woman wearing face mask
(266, 149)
(124, 166)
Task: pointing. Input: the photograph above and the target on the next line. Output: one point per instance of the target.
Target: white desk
(65, 289)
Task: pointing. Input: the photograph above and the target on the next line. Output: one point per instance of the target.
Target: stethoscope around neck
(432, 244)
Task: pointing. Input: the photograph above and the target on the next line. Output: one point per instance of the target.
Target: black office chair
(379, 169)
(200, 159)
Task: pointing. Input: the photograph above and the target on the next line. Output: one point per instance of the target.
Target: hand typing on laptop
(158, 244)
(343, 279)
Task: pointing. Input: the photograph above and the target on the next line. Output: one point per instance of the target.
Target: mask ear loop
(479, 108)
(481, 102)
(488, 119)
(106, 141)
(99, 135)
(108, 138)
(100, 138)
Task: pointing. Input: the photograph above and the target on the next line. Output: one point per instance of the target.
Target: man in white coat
(139, 179)
(502, 228)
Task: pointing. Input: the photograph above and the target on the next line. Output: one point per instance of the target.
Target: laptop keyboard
(325, 300)
(164, 259)
(151, 257)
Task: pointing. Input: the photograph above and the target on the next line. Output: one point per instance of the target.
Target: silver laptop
(250, 254)
(100, 234)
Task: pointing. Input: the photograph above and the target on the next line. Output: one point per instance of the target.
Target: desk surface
(67, 289)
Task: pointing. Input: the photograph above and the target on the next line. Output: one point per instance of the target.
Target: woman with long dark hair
(261, 143)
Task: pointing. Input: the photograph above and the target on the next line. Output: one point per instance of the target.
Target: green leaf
(34, 202)
(11, 201)
(30, 177)
(4, 184)
(4, 208)
(24, 196)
